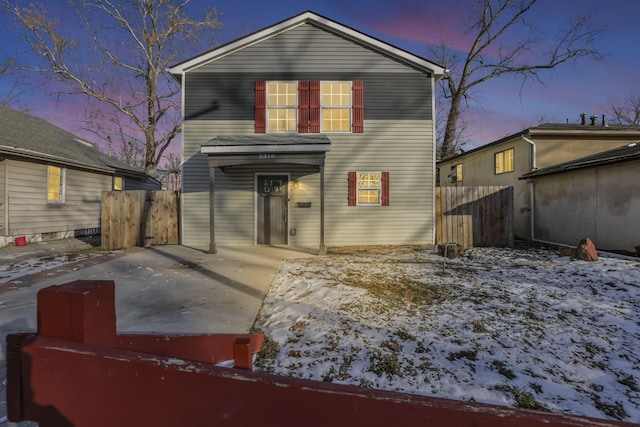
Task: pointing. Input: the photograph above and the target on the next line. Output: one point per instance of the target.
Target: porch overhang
(224, 151)
(227, 151)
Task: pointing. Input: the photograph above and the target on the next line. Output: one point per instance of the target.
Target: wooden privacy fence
(474, 216)
(139, 218)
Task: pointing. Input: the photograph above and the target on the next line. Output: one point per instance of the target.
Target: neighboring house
(597, 196)
(308, 133)
(504, 161)
(51, 182)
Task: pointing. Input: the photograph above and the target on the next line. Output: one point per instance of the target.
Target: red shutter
(303, 107)
(314, 106)
(260, 107)
(353, 189)
(385, 188)
(357, 106)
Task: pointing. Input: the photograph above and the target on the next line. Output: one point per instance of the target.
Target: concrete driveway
(164, 289)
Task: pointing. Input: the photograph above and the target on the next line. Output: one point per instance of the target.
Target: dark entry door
(272, 209)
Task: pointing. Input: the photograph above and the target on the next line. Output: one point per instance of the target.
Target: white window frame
(358, 188)
(269, 108)
(323, 107)
(63, 184)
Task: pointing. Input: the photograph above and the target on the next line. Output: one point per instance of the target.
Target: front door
(272, 209)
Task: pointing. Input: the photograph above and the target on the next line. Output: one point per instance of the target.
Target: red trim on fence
(357, 106)
(111, 386)
(385, 188)
(353, 189)
(261, 107)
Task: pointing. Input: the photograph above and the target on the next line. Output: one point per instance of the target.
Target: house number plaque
(266, 156)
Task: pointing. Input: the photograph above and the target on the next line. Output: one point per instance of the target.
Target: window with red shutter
(368, 189)
(314, 106)
(260, 107)
(303, 106)
(385, 188)
(353, 188)
(309, 108)
(357, 107)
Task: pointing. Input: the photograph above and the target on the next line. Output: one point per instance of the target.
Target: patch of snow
(505, 326)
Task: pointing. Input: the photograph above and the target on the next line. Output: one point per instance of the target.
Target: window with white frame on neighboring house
(368, 189)
(118, 183)
(309, 106)
(55, 184)
(456, 173)
(504, 161)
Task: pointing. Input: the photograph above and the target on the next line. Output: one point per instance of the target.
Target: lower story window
(118, 183)
(55, 184)
(368, 189)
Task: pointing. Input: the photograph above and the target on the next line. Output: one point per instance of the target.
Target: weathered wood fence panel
(139, 218)
(475, 216)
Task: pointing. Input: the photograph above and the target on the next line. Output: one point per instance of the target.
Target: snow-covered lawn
(523, 328)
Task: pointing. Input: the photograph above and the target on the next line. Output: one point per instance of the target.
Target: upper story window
(55, 184)
(282, 106)
(336, 106)
(309, 106)
(118, 183)
(504, 161)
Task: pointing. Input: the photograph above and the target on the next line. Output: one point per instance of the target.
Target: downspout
(532, 203)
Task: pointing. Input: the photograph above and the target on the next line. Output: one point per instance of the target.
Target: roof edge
(295, 21)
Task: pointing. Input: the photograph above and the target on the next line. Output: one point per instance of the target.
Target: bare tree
(505, 42)
(13, 93)
(627, 112)
(115, 53)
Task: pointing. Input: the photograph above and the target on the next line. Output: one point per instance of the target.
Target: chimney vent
(583, 119)
(593, 120)
(604, 122)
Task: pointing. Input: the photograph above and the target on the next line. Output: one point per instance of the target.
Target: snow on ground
(13, 266)
(520, 328)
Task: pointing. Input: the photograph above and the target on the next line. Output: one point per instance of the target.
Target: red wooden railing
(76, 371)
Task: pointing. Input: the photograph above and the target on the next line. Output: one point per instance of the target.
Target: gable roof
(555, 129)
(28, 136)
(320, 21)
(617, 155)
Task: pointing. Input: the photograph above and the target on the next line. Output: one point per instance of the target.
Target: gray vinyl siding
(398, 138)
(231, 96)
(3, 201)
(29, 211)
(303, 49)
(401, 148)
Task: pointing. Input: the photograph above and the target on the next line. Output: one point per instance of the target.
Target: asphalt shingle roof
(28, 135)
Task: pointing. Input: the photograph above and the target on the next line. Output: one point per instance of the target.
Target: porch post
(322, 250)
(212, 227)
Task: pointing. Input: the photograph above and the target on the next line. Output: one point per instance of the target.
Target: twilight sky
(501, 106)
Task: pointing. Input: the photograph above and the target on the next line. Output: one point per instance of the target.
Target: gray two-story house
(308, 133)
